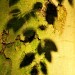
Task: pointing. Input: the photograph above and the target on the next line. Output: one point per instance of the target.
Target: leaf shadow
(42, 27)
(27, 60)
(51, 13)
(15, 23)
(37, 6)
(34, 70)
(15, 12)
(60, 1)
(70, 2)
(47, 49)
(12, 2)
(43, 68)
(29, 34)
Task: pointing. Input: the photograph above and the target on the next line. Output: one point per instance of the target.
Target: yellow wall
(63, 62)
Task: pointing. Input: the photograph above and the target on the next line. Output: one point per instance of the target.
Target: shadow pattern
(42, 27)
(37, 6)
(48, 47)
(15, 12)
(60, 2)
(43, 68)
(70, 2)
(13, 2)
(17, 21)
(51, 13)
(34, 70)
(29, 35)
(27, 60)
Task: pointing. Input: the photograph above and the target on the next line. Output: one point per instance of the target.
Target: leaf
(29, 34)
(12, 2)
(43, 68)
(27, 60)
(60, 1)
(15, 12)
(37, 6)
(51, 13)
(48, 47)
(48, 56)
(15, 23)
(40, 49)
(70, 2)
(34, 71)
(42, 27)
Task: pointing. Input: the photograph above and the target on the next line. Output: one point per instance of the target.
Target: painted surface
(34, 40)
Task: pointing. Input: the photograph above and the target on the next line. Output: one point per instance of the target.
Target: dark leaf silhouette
(40, 49)
(27, 60)
(48, 47)
(60, 1)
(15, 23)
(12, 2)
(29, 34)
(43, 68)
(70, 2)
(37, 6)
(42, 27)
(34, 71)
(32, 13)
(48, 56)
(51, 13)
(27, 16)
(15, 12)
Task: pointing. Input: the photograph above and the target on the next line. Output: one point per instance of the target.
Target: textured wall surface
(64, 61)
(37, 37)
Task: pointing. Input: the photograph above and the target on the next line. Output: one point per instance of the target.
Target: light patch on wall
(60, 20)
